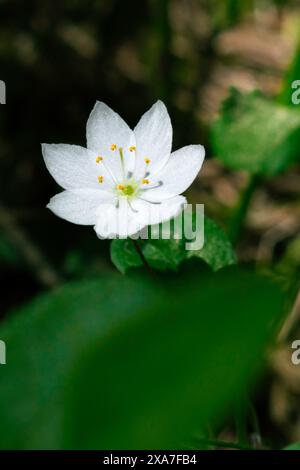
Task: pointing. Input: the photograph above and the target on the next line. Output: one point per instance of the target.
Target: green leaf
(217, 251)
(169, 254)
(129, 362)
(123, 255)
(292, 75)
(256, 135)
(294, 446)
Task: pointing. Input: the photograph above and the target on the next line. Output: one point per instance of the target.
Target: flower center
(127, 188)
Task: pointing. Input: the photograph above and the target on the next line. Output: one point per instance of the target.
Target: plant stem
(239, 216)
(142, 256)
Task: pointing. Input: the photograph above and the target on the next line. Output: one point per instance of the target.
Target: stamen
(132, 148)
(158, 185)
(133, 210)
(150, 202)
(145, 181)
(113, 147)
(100, 179)
(147, 173)
(99, 159)
(122, 160)
(121, 187)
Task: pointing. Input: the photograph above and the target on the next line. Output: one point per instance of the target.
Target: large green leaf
(292, 75)
(169, 254)
(129, 362)
(294, 446)
(256, 135)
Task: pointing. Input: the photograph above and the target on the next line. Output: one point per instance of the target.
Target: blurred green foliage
(295, 446)
(256, 135)
(292, 75)
(132, 362)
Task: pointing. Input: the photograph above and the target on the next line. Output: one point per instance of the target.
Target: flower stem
(142, 256)
(239, 216)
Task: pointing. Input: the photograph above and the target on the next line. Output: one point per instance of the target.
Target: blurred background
(58, 58)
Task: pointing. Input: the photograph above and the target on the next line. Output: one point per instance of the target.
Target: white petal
(179, 173)
(105, 225)
(129, 219)
(105, 128)
(74, 167)
(79, 206)
(151, 214)
(153, 135)
(117, 221)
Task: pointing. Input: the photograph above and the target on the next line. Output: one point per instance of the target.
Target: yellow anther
(113, 147)
(132, 148)
(145, 181)
(99, 159)
(121, 187)
(147, 160)
(100, 179)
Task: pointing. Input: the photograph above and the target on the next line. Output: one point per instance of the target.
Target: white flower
(124, 180)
